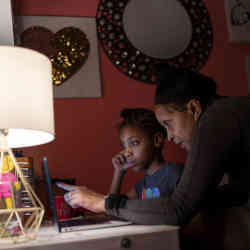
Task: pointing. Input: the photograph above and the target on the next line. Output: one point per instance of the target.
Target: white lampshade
(26, 97)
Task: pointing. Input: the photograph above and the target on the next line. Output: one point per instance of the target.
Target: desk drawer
(151, 241)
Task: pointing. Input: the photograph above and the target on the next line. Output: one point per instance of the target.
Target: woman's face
(179, 125)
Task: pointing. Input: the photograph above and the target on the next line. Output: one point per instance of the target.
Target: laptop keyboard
(70, 223)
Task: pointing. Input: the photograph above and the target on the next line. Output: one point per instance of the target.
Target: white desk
(134, 237)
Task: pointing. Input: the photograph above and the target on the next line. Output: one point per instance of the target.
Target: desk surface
(49, 237)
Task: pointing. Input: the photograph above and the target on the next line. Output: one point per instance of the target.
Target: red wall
(85, 135)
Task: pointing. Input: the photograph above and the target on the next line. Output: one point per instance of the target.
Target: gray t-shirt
(162, 183)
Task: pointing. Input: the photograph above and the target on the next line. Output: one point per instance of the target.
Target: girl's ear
(194, 108)
(158, 140)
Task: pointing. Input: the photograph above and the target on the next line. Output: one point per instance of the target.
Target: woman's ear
(158, 140)
(194, 108)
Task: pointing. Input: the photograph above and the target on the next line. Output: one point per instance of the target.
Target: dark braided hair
(143, 119)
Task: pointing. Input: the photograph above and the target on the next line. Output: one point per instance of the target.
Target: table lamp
(26, 119)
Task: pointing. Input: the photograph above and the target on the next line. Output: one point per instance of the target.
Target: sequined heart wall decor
(68, 49)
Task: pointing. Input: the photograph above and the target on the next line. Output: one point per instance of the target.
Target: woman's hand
(84, 197)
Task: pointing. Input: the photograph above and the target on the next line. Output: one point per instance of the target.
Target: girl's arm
(120, 165)
(132, 194)
(115, 186)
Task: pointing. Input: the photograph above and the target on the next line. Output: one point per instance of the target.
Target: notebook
(75, 224)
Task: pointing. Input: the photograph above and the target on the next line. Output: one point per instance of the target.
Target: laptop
(78, 223)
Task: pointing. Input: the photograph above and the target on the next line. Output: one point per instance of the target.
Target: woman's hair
(177, 86)
(143, 119)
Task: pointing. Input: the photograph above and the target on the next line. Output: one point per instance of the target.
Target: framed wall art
(238, 20)
(247, 65)
(71, 44)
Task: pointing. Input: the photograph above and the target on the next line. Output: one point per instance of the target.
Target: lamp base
(14, 226)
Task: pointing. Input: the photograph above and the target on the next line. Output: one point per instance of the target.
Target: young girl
(142, 138)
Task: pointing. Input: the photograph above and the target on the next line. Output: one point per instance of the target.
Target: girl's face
(138, 147)
(179, 125)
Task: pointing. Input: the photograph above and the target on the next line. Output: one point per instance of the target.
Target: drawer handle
(126, 243)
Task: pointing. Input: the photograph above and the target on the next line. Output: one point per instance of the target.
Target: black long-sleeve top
(221, 144)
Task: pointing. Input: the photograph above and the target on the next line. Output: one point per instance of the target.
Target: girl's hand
(120, 162)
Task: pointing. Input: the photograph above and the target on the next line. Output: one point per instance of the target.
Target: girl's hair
(177, 86)
(143, 119)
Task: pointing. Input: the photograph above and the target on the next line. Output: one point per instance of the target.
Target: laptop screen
(47, 178)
